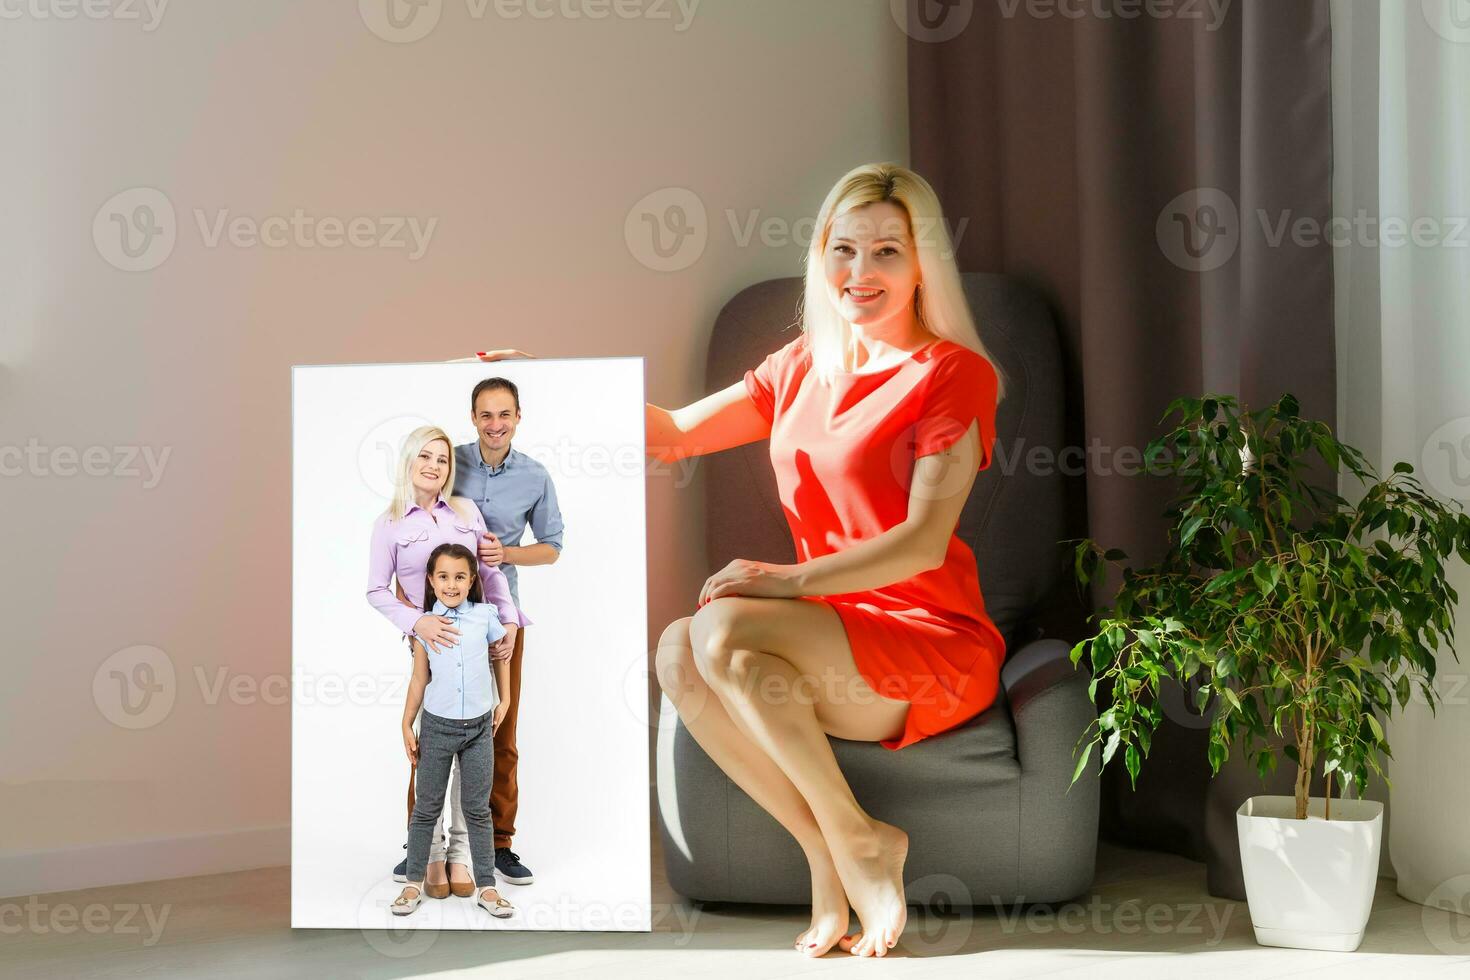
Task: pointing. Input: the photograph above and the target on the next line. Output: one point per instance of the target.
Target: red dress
(844, 457)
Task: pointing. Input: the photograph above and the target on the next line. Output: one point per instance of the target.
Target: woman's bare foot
(871, 866)
(459, 874)
(829, 909)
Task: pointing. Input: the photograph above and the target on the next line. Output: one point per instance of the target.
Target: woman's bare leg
(734, 751)
(784, 668)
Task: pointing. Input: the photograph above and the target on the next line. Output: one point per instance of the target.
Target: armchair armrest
(1051, 709)
(1049, 702)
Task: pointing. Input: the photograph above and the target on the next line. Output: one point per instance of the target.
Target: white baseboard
(93, 866)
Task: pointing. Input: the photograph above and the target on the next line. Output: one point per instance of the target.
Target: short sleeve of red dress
(960, 391)
(768, 380)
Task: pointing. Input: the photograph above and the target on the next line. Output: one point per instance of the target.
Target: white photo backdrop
(583, 818)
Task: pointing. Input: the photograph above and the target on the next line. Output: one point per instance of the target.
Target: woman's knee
(674, 661)
(715, 636)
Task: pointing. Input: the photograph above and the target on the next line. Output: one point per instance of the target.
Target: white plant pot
(1309, 882)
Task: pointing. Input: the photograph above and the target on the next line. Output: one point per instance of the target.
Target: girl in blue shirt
(458, 689)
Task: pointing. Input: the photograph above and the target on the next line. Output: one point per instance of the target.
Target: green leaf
(1190, 529)
(1240, 518)
(1377, 728)
(1082, 762)
(1131, 761)
(1111, 747)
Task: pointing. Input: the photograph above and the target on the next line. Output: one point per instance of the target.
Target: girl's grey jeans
(441, 741)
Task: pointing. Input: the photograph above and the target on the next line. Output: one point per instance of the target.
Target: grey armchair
(987, 806)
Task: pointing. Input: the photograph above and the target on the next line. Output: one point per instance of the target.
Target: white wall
(528, 141)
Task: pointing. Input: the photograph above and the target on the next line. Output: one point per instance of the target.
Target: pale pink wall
(529, 140)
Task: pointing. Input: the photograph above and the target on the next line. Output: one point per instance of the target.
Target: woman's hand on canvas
(502, 648)
(411, 745)
(750, 578)
(499, 715)
(491, 355)
(436, 631)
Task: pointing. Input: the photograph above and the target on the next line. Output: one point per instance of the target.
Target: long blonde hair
(939, 302)
(403, 474)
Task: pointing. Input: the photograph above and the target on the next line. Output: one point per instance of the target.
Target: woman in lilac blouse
(420, 518)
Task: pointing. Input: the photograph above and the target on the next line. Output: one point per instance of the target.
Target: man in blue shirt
(513, 491)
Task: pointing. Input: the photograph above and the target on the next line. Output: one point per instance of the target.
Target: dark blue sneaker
(508, 865)
(400, 870)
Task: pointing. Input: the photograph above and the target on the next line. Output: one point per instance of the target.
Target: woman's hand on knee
(757, 579)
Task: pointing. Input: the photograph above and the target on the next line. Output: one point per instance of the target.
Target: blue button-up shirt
(461, 681)
(517, 493)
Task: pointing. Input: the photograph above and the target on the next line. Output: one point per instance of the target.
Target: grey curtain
(1157, 171)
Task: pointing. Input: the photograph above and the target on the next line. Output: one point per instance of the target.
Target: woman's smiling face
(430, 468)
(870, 263)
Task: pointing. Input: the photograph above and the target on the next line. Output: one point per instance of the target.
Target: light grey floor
(1147, 916)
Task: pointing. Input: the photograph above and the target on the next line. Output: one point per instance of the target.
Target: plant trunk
(1306, 752)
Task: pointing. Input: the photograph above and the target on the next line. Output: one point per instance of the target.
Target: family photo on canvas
(442, 571)
(467, 519)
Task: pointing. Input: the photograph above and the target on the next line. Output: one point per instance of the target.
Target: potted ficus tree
(1302, 631)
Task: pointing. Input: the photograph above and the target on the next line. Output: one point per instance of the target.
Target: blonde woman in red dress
(880, 413)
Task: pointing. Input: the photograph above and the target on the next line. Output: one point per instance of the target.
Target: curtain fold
(1402, 104)
(1138, 171)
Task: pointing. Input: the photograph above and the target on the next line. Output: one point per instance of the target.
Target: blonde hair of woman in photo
(879, 414)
